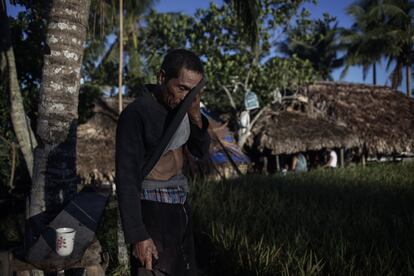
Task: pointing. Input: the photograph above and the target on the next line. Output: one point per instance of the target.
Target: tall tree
(106, 20)
(365, 42)
(54, 173)
(399, 21)
(133, 12)
(316, 41)
(387, 27)
(54, 159)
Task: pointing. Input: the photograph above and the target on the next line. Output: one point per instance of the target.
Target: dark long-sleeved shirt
(139, 131)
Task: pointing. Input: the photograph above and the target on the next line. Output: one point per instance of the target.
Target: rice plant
(353, 221)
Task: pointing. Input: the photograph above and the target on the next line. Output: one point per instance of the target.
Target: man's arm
(199, 141)
(129, 158)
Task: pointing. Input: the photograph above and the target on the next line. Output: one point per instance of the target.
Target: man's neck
(159, 96)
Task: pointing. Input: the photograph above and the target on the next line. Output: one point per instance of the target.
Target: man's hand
(144, 251)
(194, 111)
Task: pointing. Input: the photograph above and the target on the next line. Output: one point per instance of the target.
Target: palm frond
(388, 10)
(248, 12)
(344, 71)
(355, 11)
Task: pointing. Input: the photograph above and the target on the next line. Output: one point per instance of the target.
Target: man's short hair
(177, 59)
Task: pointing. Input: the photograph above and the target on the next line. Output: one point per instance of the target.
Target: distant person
(285, 169)
(299, 163)
(332, 161)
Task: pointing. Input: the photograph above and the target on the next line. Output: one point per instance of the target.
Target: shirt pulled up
(166, 183)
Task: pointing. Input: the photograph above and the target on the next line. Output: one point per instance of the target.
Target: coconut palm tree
(399, 16)
(365, 42)
(317, 42)
(383, 28)
(54, 174)
(109, 18)
(54, 168)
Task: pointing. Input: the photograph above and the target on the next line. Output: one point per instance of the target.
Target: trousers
(169, 226)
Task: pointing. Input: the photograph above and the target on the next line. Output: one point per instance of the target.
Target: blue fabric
(220, 157)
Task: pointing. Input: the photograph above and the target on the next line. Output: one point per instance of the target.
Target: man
(333, 160)
(154, 209)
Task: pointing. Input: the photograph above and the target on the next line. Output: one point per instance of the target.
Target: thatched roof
(96, 143)
(287, 132)
(340, 115)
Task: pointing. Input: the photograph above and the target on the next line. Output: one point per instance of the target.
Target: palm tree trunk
(121, 53)
(21, 124)
(408, 80)
(54, 172)
(374, 73)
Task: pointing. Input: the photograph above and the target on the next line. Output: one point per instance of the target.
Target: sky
(335, 8)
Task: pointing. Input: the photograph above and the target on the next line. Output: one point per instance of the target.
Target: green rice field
(353, 221)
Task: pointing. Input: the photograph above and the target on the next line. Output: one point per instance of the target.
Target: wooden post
(123, 256)
(5, 260)
(363, 160)
(121, 54)
(265, 165)
(342, 157)
(277, 163)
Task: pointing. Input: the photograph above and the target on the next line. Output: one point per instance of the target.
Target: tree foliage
(163, 31)
(231, 60)
(364, 42)
(231, 63)
(27, 38)
(382, 29)
(215, 33)
(315, 41)
(399, 25)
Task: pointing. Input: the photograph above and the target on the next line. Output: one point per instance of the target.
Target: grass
(11, 224)
(354, 221)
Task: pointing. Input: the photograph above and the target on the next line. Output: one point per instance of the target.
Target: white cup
(65, 238)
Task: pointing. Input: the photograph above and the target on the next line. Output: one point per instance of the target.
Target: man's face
(175, 89)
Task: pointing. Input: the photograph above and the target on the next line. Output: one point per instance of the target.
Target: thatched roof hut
(375, 118)
(288, 132)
